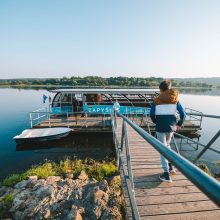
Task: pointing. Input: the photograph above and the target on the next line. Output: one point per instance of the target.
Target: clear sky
(56, 38)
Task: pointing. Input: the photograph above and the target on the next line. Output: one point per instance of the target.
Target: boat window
(79, 97)
(66, 98)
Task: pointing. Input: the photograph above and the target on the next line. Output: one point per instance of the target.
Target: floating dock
(103, 124)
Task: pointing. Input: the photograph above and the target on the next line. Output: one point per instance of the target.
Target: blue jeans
(165, 138)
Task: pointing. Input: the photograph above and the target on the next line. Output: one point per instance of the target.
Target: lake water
(15, 105)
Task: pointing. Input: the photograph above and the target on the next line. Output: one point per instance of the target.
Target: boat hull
(26, 140)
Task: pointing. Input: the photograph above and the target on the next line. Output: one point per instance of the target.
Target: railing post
(208, 145)
(31, 123)
(122, 135)
(128, 157)
(175, 144)
(49, 120)
(67, 116)
(103, 120)
(86, 119)
(148, 126)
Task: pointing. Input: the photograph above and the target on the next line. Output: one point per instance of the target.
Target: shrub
(65, 166)
(94, 169)
(13, 179)
(43, 171)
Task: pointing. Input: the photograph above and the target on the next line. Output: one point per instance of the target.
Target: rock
(58, 199)
(36, 209)
(115, 185)
(39, 183)
(89, 193)
(17, 204)
(32, 178)
(98, 211)
(74, 214)
(83, 176)
(111, 214)
(115, 201)
(18, 215)
(69, 175)
(47, 213)
(103, 185)
(115, 181)
(19, 200)
(53, 179)
(31, 183)
(77, 194)
(43, 192)
(21, 185)
(5, 191)
(100, 195)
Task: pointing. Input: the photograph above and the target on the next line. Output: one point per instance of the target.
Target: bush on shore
(94, 169)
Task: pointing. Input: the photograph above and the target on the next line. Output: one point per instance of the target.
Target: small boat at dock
(41, 134)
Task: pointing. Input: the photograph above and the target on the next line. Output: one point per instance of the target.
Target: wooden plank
(171, 190)
(199, 215)
(175, 208)
(159, 184)
(170, 199)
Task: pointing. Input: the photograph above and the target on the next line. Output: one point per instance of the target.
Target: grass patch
(42, 171)
(94, 169)
(13, 179)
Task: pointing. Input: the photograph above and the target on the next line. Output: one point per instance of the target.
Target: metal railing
(125, 165)
(39, 115)
(190, 140)
(194, 115)
(204, 182)
(67, 119)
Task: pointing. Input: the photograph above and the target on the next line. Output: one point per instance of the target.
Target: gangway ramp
(154, 199)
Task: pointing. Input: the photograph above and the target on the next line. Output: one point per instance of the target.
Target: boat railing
(68, 119)
(37, 115)
(194, 116)
(206, 183)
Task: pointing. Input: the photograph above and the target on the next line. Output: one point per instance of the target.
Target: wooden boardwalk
(157, 200)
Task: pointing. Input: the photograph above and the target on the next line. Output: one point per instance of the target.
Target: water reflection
(200, 91)
(82, 145)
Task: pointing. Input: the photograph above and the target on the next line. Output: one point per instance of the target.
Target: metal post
(128, 157)
(208, 145)
(148, 126)
(104, 121)
(122, 135)
(86, 119)
(49, 120)
(67, 116)
(31, 120)
(175, 144)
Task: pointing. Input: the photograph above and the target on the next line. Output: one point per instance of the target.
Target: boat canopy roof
(106, 91)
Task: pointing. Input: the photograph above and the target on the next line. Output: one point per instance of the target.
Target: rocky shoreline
(58, 197)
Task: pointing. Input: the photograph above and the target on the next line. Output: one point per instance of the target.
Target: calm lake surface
(14, 118)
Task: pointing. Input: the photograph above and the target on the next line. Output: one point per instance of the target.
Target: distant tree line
(100, 81)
